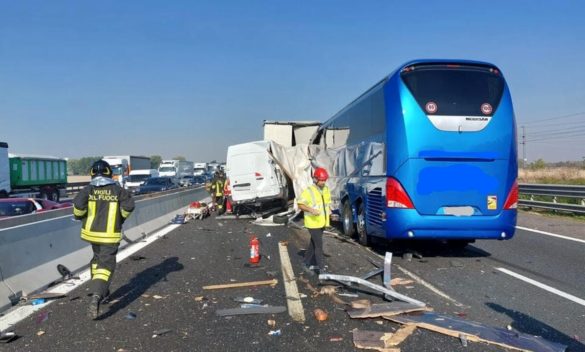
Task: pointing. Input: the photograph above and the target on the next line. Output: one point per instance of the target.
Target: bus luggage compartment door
(460, 188)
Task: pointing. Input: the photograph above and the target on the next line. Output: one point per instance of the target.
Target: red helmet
(320, 174)
(195, 205)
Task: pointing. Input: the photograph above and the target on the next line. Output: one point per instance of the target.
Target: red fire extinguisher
(254, 250)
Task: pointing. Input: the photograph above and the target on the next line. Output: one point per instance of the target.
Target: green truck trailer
(31, 176)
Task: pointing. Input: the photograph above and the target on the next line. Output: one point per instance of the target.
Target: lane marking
(422, 282)
(13, 317)
(543, 286)
(293, 298)
(36, 222)
(428, 285)
(551, 234)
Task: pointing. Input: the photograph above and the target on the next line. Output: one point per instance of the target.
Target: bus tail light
(512, 200)
(396, 196)
(258, 176)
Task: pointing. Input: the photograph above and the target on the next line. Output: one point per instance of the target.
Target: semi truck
(175, 169)
(123, 164)
(31, 176)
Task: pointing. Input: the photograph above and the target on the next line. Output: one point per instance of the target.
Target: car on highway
(199, 180)
(23, 206)
(187, 181)
(156, 184)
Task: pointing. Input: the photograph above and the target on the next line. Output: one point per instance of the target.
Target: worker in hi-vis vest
(315, 202)
(217, 189)
(102, 206)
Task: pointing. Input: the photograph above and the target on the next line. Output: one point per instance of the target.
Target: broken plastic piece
(320, 314)
(275, 332)
(130, 316)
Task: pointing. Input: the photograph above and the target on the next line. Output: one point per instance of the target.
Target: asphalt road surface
(162, 290)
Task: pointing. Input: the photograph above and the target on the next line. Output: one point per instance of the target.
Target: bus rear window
(455, 89)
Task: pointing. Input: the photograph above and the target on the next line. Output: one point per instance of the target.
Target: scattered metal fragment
(160, 332)
(348, 280)
(254, 310)
(130, 316)
(478, 332)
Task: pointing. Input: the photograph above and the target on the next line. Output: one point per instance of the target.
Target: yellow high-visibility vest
(316, 198)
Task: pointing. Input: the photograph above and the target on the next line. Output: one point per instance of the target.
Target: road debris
(335, 339)
(271, 322)
(42, 317)
(361, 304)
(252, 310)
(7, 336)
(40, 333)
(137, 257)
(272, 282)
(250, 300)
(388, 293)
(45, 295)
(320, 314)
(385, 309)
(373, 340)
(130, 316)
(275, 332)
(400, 281)
(199, 298)
(160, 332)
(477, 332)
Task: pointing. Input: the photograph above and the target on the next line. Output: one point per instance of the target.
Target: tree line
(81, 166)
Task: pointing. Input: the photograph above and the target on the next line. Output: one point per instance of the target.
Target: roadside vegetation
(568, 173)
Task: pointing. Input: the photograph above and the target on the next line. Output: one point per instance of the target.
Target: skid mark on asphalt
(543, 286)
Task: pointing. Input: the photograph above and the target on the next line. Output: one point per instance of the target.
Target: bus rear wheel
(348, 226)
(363, 238)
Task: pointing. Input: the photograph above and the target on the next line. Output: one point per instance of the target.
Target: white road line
(36, 222)
(543, 286)
(22, 312)
(428, 285)
(551, 234)
(293, 298)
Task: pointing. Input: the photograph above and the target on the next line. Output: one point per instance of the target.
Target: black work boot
(93, 310)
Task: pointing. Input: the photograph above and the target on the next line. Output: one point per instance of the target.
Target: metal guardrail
(554, 191)
(75, 186)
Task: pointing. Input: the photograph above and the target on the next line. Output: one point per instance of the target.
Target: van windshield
(166, 169)
(137, 178)
(455, 90)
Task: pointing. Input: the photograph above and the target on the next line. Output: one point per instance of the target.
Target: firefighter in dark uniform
(103, 206)
(217, 189)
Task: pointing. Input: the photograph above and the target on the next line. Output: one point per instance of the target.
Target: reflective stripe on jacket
(102, 210)
(318, 199)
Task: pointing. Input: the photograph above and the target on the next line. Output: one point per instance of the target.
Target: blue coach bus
(427, 153)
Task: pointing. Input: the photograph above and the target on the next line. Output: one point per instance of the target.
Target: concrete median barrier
(31, 247)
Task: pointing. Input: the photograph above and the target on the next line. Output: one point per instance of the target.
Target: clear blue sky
(80, 78)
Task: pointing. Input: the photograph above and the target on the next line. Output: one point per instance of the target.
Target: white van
(137, 178)
(256, 180)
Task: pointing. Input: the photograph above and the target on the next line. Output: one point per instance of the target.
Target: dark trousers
(314, 254)
(103, 265)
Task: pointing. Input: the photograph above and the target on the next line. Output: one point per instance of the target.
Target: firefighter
(315, 202)
(102, 206)
(217, 190)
